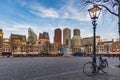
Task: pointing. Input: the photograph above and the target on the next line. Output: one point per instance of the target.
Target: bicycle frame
(103, 66)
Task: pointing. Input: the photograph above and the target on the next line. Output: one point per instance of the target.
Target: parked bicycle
(92, 69)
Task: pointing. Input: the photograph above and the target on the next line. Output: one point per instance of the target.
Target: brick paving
(53, 68)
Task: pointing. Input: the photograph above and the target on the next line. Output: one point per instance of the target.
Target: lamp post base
(119, 61)
(118, 66)
(94, 61)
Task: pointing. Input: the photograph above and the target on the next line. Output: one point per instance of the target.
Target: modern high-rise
(58, 36)
(67, 37)
(44, 35)
(31, 35)
(1, 40)
(76, 40)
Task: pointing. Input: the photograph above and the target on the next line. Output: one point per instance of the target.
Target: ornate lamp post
(94, 14)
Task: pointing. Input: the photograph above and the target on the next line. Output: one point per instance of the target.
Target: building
(31, 35)
(6, 45)
(117, 39)
(44, 35)
(1, 40)
(32, 43)
(67, 37)
(44, 42)
(58, 36)
(115, 48)
(104, 47)
(87, 44)
(33, 48)
(18, 44)
(54, 49)
(76, 41)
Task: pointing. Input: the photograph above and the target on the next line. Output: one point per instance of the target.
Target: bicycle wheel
(105, 67)
(88, 69)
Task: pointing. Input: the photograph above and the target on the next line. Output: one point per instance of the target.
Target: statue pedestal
(67, 51)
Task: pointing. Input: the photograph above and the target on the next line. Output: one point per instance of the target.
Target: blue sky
(16, 16)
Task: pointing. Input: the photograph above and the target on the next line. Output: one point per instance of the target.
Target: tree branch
(108, 10)
(117, 1)
(105, 8)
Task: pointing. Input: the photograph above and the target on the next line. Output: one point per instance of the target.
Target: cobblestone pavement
(53, 68)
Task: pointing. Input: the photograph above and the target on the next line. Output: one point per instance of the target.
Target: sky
(16, 16)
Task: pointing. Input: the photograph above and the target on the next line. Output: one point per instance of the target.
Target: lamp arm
(109, 10)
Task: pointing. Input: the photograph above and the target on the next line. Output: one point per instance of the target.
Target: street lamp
(94, 14)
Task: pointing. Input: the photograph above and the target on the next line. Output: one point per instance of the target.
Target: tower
(67, 37)
(31, 35)
(58, 36)
(1, 40)
(76, 40)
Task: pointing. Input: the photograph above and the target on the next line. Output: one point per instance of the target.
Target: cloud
(71, 12)
(17, 29)
(22, 2)
(10, 29)
(44, 12)
(113, 35)
(67, 11)
(85, 33)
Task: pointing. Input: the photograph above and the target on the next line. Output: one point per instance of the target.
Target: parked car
(79, 54)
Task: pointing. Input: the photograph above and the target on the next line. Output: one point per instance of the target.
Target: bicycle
(92, 69)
